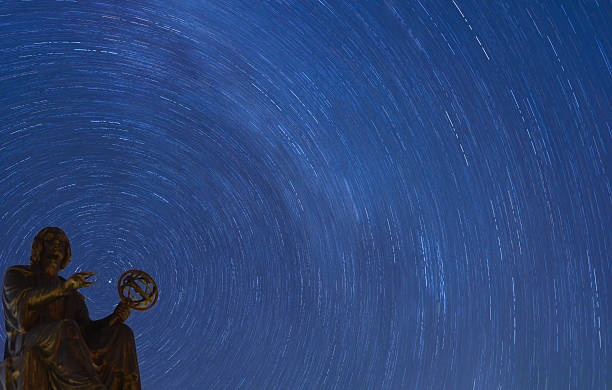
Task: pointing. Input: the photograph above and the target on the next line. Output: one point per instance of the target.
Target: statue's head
(50, 242)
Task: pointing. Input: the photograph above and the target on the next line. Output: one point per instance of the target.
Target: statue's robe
(58, 346)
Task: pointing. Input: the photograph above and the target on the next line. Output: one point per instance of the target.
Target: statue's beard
(51, 263)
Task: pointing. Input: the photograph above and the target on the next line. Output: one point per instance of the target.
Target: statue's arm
(120, 314)
(82, 317)
(40, 297)
(96, 326)
(89, 325)
(23, 299)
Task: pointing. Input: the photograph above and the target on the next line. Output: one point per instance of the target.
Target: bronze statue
(51, 341)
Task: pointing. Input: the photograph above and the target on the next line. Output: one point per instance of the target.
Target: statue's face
(54, 251)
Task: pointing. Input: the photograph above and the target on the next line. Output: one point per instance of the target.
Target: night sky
(330, 195)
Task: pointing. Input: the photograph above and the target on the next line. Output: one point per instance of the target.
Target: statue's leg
(113, 352)
(36, 372)
(60, 347)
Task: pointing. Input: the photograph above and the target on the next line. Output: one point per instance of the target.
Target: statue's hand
(122, 312)
(78, 280)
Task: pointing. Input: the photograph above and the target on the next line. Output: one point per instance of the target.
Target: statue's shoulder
(21, 269)
(17, 274)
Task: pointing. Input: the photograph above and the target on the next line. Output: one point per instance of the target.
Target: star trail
(329, 194)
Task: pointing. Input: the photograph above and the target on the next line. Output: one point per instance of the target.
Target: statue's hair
(38, 244)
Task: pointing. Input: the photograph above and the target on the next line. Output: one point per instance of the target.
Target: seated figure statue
(51, 341)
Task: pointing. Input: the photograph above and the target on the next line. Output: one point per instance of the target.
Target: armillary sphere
(137, 289)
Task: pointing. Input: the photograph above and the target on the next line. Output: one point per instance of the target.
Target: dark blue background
(330, 195)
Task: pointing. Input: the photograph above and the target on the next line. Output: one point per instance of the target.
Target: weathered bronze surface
(51, 341)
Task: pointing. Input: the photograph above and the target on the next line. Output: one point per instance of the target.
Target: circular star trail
(329, 195)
